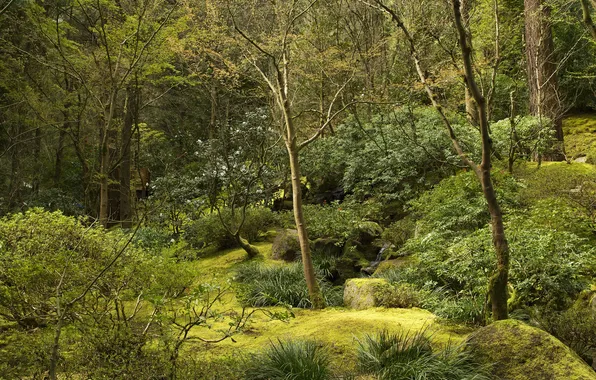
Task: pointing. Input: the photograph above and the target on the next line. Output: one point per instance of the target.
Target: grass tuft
(290, 360)
(407, 356)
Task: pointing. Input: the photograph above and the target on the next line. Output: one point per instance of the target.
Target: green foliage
(575, 327)
(339, 221)
(457, 204)
(410, 356)
(264, 285)
(393, 157)
(290, 360)
(579, 137)
(397, 233)
(530, 136)
(399, 295)
(551, 255)
(208, 231)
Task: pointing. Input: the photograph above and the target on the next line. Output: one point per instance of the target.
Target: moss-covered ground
(336, 327)
(580, 137)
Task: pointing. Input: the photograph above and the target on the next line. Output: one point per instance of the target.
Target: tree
(587, 17)
(542, 71)
(274, 68)
(497, 287)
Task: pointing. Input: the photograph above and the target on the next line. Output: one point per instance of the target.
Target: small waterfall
(374, 264)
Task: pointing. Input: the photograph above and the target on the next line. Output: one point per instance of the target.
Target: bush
(295, 360)
(391, 157)
(576, 327)
(410, 356)
(400, 295)
(151, 238)
(341, 222)
(281, 284)
(209, 231)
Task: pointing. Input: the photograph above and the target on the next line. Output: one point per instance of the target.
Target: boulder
(387, 265)
(368, 231)
(364, 293)
(286, 246)
(521, 352)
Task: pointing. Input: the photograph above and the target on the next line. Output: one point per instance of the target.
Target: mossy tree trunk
(497, 287)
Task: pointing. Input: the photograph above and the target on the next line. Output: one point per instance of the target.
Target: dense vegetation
(188, 188)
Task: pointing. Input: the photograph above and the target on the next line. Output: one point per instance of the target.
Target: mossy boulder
(286, 246)
(364, 293)
(387, 265)
(522, 352)
(368, 231)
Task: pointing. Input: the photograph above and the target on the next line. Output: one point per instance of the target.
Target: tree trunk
(497, 286)
(543, 83)
(129, 120)
(104, 180)
(59, 156)
(470, 103)
(314, 291)
(250, 249)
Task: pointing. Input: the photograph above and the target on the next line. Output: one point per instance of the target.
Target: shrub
(391, 157)
(576, 327)
(295, 360)
(397, 233)
(281, 284)
(410, 356)
(341, 222)
(152, 238)
(209, 231)
(400, 295)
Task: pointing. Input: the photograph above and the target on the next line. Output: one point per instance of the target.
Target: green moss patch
(522, 352)
(580, 137)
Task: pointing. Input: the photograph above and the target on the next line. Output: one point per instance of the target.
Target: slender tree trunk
(129, 119)
(314, 291)
(470, 103)
(250, 249)
(542, 68)
(104, 180)
(59, 156)
(15, 165)
(587, 17)
(37, 162)
(497, 287)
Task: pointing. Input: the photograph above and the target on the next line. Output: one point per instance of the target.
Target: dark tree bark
(543, 83)
(59, 157)
(587, 17)
(127, 128)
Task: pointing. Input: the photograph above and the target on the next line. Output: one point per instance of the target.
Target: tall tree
(541, 65)
(497, 287)
(274, 64)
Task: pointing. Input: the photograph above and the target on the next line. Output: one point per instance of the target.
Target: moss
(522, 352)
(363, 293)
(580, 137)
(336, 327)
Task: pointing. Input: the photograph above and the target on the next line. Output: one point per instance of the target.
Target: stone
(286, 246)
(522, 352)
(364, 293)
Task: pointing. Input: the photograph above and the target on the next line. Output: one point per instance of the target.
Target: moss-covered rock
(387, 265)
(364, 293)
(286, 246)
(522, 352)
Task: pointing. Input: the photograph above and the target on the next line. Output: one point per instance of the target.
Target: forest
(298, 189)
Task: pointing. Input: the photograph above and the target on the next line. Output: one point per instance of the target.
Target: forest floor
(337, 327)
